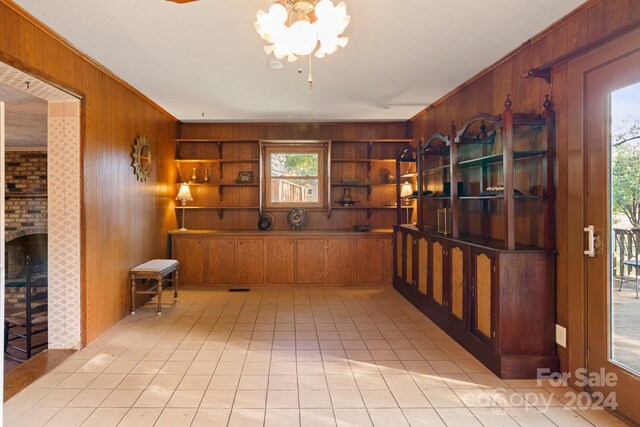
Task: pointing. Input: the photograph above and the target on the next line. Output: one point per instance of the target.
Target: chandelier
(303, 27)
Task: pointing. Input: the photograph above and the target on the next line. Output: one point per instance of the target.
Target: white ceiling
(25, 119)
(206, 57)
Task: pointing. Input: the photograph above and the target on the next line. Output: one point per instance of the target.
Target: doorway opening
(41, 191)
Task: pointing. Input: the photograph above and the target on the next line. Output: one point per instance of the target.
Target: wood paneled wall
(125, 221)
(340, 219)
(288, 131)
(595, 21)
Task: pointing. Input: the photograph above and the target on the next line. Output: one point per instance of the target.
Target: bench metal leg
(175, 286)
(133, 296)
(159, 296)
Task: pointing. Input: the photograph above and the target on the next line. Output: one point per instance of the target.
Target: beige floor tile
(458, 417)
(153, 399)
(35, 417)
(105, 417)
(283, 382)
(194, 382)
(69, 417)
(310, 368)
(140, 417)
(253, 382)
(352, 418)
(341, 382)
(135, 382)
(120, 367)
(443, 398)
(58, 397)
(27, 397)
(107, 381)
(211, 417)
(246, 418)
(255, 368)
(378, 399)
(89, 398)
(202, 368)
(218, 399)
(475, 398)
(175, 417)
(121, 399)
(314, 399)
(150, 367)
(422, 417)
(282, 399)
(283, 368)
(250, 399)
(174, 368)
(346, 399)
(491, 417)
(317, 418)
(224, 382)
(410, 398)
(77, 380)
(186, 399)
(388, 418)
(529, 417)
(282, 417)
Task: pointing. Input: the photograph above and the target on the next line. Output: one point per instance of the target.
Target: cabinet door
(457, 263)
(423, 265)
(438, 255)
(190, 254)
(482, 294)
(221, 257)
(399, 250)
(341, 261)
(310, 261)
(410, 243)
(369, 261)
(249, 261)
(280, 261)
(388, 260)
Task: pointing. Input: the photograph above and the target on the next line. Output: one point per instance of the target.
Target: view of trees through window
(294, 177)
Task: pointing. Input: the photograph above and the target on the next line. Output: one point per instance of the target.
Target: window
(294, 175)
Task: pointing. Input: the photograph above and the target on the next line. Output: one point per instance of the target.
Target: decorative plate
(297, 219)
(266, 221)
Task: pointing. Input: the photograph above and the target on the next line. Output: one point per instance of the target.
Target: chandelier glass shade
(303, 27)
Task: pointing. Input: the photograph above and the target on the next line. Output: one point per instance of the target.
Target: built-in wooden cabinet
(280, 260)
(310, 261)
(221, 261)
(488, 277)
(250, 260)
(277, 258)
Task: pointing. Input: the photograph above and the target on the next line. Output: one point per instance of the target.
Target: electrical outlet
(561, 336)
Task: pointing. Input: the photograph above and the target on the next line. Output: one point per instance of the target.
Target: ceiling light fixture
(303, 27)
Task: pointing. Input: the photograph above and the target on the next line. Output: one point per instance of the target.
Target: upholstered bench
(156, 269)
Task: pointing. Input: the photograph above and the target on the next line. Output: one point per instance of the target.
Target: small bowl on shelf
(362, 227)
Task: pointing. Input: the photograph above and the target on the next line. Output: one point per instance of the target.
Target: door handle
(593, 241)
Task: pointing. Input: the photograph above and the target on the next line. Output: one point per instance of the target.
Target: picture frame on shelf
(244, 177)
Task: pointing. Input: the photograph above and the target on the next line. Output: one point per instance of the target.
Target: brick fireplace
(25, 209)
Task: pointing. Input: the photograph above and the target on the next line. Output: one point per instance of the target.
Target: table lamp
(184, 196)
(406, 191)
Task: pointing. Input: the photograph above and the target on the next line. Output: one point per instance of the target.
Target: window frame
(295, 147)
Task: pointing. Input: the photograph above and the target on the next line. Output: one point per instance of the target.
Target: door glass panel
(624, 334)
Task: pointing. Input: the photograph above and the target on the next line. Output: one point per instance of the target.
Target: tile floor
(285, 357)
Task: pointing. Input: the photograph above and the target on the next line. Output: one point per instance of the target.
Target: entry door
(612, 121)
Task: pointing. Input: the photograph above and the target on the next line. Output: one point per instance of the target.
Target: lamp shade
(184, 195)
(406, 190)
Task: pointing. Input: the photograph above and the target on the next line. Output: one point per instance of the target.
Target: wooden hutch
(487, 276)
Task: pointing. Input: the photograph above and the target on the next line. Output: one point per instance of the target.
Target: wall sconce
(184, 196)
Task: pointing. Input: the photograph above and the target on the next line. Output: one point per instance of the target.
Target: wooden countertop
(275, 233)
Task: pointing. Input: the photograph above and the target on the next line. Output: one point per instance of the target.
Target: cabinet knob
(299, 242)
(241, 242)
(360, 241)
(290, 242)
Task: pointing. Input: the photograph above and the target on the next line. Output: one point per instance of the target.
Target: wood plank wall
(595, 21)
(288, 131)
(125, 221)
(340, 219)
